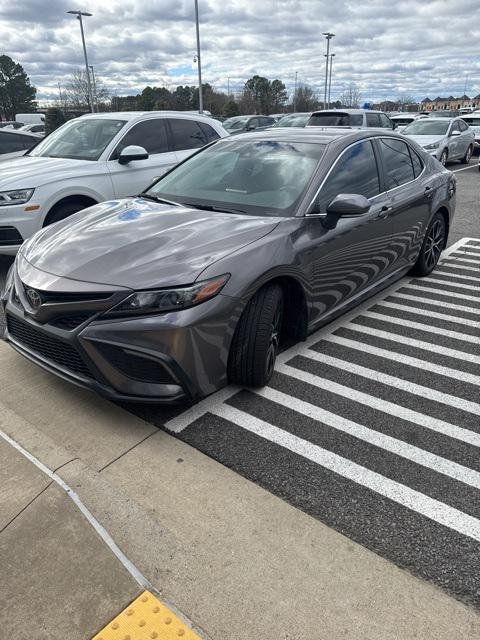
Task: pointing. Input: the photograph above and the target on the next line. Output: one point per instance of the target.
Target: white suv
(90, 159)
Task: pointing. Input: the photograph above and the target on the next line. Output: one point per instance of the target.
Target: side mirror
(455, 133)
(132, 152)
(345, 204)
(251, 127)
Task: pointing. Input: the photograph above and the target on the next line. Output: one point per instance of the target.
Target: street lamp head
(328, 35)
(80, 13)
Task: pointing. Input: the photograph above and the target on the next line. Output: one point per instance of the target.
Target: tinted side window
(186, 134)
(150, 134)
(373, 120)
(355, 172)
(209, 132)
(462, 125)
(385, 122)
(456, 126)
(417, 163)
(11, 142)
(397, 161)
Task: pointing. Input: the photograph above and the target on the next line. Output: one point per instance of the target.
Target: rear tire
(433, 245)
(467, 156)
(257, 337)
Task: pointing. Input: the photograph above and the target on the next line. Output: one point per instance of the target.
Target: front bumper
(16, 225)
(158, 359)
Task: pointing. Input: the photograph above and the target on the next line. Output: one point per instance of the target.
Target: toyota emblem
(34, 298)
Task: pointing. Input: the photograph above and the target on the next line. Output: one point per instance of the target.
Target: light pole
(79, 15)
(328, 37)
(332, 55)
(295, 93)
(199, 62)
(95, 87)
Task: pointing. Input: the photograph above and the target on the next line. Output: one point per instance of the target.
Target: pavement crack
(65, 464)
(26, 506)
(128, 450)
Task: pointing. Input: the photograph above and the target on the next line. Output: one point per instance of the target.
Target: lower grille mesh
(47, 346)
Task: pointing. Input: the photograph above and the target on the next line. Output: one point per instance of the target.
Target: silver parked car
(473, 121)
(254, 239)
(15, 143)
(297, 119)
(353, 118)
(446, 139)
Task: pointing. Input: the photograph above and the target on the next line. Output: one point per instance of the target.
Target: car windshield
(336, 119)
(80, 139)
(427, 128)
(293, 120)
(234, 123)
(262, 177)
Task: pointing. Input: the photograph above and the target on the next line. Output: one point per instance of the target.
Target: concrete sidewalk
(239, 562)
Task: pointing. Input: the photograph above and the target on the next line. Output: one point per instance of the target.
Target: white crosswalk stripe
(436, 303)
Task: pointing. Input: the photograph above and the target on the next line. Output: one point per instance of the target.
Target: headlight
(434, 145)
(19, 196)
(145, 302)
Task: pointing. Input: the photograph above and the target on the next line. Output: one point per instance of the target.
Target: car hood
(141, 244)
(424, 140)
(26, 172)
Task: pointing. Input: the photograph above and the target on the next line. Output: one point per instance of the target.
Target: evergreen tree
(17, 95)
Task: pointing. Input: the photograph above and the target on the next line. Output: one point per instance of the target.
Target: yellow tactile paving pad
(146, 618)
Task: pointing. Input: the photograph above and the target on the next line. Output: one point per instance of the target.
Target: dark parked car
(241, 124)
(15, 143)
(171, 294)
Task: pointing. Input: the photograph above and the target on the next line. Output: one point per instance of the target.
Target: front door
(341, 263)
(133, 178)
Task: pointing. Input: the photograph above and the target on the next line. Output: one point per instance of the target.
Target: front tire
(257, 337)
(444, 157)
(62, 211)
(433, 245)
(468, 155)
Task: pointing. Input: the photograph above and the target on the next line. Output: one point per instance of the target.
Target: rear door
(187, 135)
(344, 261)
(410, 192)
(132, 178)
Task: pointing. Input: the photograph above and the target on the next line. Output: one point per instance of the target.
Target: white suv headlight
(18, 196)
(434, 145)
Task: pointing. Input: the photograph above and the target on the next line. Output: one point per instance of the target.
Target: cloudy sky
(387, 47)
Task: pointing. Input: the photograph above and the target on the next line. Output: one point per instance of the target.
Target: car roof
(18, 132)
(317, 135)
(143, 115)
(352, 111)
(440, 119)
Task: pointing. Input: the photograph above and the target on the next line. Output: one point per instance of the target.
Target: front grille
(136, 366)
(47, 346)
(59, 297)
(70, 322)
(9, 236)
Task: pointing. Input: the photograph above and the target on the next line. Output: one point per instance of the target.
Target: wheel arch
(86, 200)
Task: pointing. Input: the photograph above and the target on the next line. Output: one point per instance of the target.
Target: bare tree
(76, 93)
(306, 98)
(351, 96)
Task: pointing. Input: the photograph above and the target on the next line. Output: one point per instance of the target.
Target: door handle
(384, 211)
(428, 192)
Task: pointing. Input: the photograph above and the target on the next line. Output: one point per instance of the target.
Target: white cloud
(387, 48)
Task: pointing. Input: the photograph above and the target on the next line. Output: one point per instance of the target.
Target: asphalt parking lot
(371, 427)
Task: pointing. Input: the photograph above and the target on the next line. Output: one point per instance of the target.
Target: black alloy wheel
(432, 247)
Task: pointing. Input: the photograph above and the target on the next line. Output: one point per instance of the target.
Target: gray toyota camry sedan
(196, 282)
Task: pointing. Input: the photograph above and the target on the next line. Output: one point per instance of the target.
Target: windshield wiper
(148, 196)
(210, 207)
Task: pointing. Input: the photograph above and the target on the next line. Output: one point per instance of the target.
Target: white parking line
(412, 342)
(461, 254)
(389, 408)
(399, 493)
(396, 383)
(377, 438)
(404, 359)
(453, 262)
(471, 166)
(455, 276)
(436, 303)
(422, 327)
(431, 314)
(444, 292)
